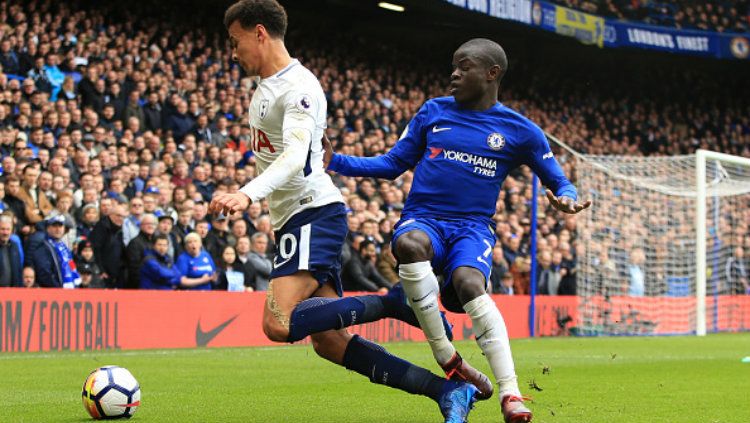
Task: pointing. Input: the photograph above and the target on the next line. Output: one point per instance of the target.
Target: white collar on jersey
(291, 64)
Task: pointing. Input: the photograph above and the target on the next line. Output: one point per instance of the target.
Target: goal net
(644, 270)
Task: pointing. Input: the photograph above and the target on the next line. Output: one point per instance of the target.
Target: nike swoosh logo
(435, 129)
(480, 336)
(277, 265)
(416, 301)
(203, 338)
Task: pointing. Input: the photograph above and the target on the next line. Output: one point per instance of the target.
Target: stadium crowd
(721, 16)
(115, 135)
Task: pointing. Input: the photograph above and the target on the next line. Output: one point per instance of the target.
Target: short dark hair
(364, 244)
(161, 236)
(489, 53)
(249, 13)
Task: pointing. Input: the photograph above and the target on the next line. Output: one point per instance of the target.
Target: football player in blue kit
(461, 148)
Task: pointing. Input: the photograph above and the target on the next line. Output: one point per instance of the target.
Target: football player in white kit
(288, 118)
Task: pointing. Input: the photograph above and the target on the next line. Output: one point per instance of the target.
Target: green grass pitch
(608, 380)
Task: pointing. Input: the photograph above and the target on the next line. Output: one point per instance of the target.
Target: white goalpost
(665, 246)
(702, 157)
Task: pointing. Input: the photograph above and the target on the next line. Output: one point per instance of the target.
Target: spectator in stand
(165, 227)
(36, 204)
(360, 274)
(520, 269)
(184, 223)
(106, 238)
(258, 261)
(180, 122)
(152, 113)
(181, 176)
(196, 263)
(88, 220)
(11, 264)
(159, 272)
(62, 208)
(499, 269)
(204, 186)
(736, 273)
(386, 264)
(568, 272)
(218, 237)
(87, 267)
(548, 277)
(131, 225)
(15, 204)
(512, 249)
(263, 225)
(136, 249)
(636, 273)
(233, 274)
(29, 278)
(52, 261)
(243, 249)
(505, 287)
(238, 229)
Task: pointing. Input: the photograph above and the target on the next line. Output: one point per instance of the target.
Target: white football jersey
(285, 108)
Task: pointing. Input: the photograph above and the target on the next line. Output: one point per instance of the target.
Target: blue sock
(320, 314)
(372, 360)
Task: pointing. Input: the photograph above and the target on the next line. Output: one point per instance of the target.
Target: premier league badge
(304, 103)
(496, 141)
(263, 108)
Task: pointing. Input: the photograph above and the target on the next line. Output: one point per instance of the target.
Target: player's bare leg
(355, 353)
(492, 337)
(414, 251)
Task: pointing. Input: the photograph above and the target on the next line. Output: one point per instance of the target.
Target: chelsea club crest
(496, 141)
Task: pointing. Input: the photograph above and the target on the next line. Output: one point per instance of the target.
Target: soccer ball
(111, 392)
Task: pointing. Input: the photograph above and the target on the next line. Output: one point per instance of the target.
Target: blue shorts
(312, 240)
(456, 243)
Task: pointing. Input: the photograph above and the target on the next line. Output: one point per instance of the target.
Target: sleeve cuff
(248, 191)
(335, 163)
(568, 192)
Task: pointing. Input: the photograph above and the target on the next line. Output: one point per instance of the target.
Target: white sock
(421, 284)
(492, 337)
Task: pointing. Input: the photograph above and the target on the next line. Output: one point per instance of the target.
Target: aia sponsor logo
(259, 140)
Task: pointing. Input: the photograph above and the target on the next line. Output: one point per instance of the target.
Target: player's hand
(327, 151)
(566, 204)
(229, 204)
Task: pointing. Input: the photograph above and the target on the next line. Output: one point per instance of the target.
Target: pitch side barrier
(33, 320)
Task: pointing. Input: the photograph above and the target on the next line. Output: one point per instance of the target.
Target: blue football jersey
(460, 159)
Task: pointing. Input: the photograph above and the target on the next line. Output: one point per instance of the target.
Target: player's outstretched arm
(561, 193)
(288, 164)
(407, 152)
(387, 166)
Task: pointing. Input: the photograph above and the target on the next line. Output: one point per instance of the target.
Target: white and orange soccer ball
(111, 392)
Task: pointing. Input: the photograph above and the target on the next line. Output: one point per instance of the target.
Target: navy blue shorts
(312, 240)
(456, 243)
